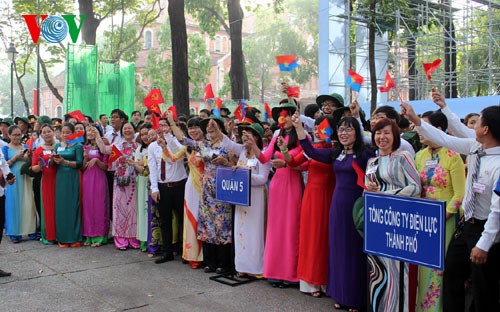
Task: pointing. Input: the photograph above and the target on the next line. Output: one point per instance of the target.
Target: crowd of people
(154, 189)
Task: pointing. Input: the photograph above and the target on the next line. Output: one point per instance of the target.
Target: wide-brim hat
(335, 97)
(290, 107)
(255, 128)
(7, 120)
(44, 120)
(218, 120)
(23, 119)
(338, 113)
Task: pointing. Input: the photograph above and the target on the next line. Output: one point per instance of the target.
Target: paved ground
(48, 278)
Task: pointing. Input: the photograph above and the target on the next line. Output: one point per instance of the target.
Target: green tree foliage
(199, 64)
(277, 35)
(159, 64)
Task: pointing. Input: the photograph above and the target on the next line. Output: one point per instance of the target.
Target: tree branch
(21, 87)
(145, 23)
(219, 18)
(52, 88)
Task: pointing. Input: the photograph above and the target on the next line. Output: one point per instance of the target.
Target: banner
(233, 186)
(406, 229)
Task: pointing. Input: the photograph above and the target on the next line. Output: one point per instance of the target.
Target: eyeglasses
(329, 104)
(115, 117)
(345, 130)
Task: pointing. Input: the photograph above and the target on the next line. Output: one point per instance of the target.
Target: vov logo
(54, 29)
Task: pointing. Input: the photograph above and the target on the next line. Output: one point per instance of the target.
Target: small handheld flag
(431, 67)
(152, 100)
(44, 163)
(173, 109)
(75, 138)
(287, 62)
(115, 154)
(388, 83)
(267, 111)
(282, 118)
(325, 131)
(361, 175)
(293, 92)
(241, 110)
(218, 106)
(209, 92)
(155, 121)
(354, 80)
(77, 115)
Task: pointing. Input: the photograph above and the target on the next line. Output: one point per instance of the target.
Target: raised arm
(231, 146)
(460, 145)
(323, 155)
(454, 124)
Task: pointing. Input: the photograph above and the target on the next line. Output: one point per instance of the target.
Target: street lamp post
(11, 54)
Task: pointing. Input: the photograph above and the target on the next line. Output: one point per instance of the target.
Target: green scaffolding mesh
(116, 87)
(80, 89)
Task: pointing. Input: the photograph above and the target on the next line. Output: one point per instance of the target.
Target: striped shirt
(395, 173)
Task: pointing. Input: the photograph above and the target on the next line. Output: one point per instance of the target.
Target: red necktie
(114, 137)
(162, 175)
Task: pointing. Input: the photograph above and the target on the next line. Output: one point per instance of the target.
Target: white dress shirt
(4, 167)
(174, 171)
(456, 126)
(110, 134)
(487, 202)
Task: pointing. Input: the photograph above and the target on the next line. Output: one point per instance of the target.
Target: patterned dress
(214, 219)
(192, 250)
(396, 174)
(443, 178)
(125, 200)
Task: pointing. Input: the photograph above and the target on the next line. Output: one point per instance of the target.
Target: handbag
(124, 180)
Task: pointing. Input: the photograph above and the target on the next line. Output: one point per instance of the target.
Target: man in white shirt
(475, 248)
(4, 177)
(167, 176)
(104, 122)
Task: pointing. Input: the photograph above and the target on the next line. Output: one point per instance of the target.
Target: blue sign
(406, 229)
(233, 186)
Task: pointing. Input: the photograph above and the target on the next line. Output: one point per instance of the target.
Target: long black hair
(359, 147)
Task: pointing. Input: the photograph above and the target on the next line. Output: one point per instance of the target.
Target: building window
(218, 44)
(59, 113)
(225, 47)
(148, 39)
(220, 77)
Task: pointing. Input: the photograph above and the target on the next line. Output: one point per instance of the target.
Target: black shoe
(4, 274)
(208, 269)
(221, 270)
(164, 258)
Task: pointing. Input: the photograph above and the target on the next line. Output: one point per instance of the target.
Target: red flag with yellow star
(115, 154)
(152, 100)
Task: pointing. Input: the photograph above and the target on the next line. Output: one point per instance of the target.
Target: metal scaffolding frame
(476, 38)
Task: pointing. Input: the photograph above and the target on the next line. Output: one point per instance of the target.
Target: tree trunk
(237, 73)
(371, 57)
(91, 23)
(411, 45)
(180, 76)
